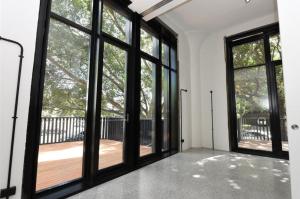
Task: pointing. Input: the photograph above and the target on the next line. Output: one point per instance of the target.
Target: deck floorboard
(263, 145)
(62, 162)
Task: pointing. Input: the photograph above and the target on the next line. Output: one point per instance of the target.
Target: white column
(289, 18)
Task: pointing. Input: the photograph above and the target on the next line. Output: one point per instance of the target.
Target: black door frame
(261, 33)
(91, 175)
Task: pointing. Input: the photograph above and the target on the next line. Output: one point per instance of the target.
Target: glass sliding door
(256, 76)
(60, 157)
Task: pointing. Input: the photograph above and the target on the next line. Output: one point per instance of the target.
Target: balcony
(254, 133)
(61, 146)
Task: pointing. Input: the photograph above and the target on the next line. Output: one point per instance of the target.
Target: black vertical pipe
(181, 121)
(9, 191)
(212, 120)
(181, 140)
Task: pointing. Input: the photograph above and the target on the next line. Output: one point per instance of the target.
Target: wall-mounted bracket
(5, 193)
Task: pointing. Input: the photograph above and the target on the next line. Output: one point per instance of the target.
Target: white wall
(203, 68)
(18, 21)
(289, 18)
(213, 77)
(184, 79)
(195, 40)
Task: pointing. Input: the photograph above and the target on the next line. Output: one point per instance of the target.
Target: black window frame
(103, 38)
(157, 61)
(261, 33)
(91, 175)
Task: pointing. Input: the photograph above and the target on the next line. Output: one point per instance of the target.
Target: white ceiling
(208, 15)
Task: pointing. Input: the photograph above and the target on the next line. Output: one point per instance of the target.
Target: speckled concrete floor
(201, 174)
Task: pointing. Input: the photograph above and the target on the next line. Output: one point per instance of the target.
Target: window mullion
(91, 143)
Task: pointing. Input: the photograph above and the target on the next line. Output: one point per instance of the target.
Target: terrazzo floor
(201, 174)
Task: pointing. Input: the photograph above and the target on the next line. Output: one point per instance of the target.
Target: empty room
(149, 99)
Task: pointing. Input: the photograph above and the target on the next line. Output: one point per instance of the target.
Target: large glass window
(165, 103)
(113, 106)
(276, 56)
(165, 54)
(249, 54)
(174, 120)
(173, 59)
(116, 25)
(92, 105)
(147, 108)
(174, 111)
(275, 48)
(79, 12)
(252, 108)
(149, 43)
(64, 106)
(259, 121)
(252, 96)
(282, 107)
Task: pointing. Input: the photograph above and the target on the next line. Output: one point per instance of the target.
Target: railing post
(239, 129)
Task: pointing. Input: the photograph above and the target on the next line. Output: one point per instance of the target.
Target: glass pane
(113, 106)
(282, 109)
(174, 112)
(64, 106)
(165, 54)
(275, 47)
(165, 109)
(149, 44)
(249, 54)
(116, 24)
(173, 59)
(79, 12)
(252, 108)
(147, 108)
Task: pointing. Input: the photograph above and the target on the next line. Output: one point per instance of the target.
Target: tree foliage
(66, 75)
(147, 95)
(79, 11)
(250, 77)
(67, 69)
(251, 90)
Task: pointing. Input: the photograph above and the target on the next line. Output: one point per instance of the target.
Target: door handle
(295, 127)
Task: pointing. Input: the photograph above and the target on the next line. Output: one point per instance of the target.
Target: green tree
(67, 69)
(251, 83)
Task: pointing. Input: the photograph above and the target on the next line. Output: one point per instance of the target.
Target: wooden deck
(60, 163)
(261, 145)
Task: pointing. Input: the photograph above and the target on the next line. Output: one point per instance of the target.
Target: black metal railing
(258, 128)
(62, 129)
(70, 129)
